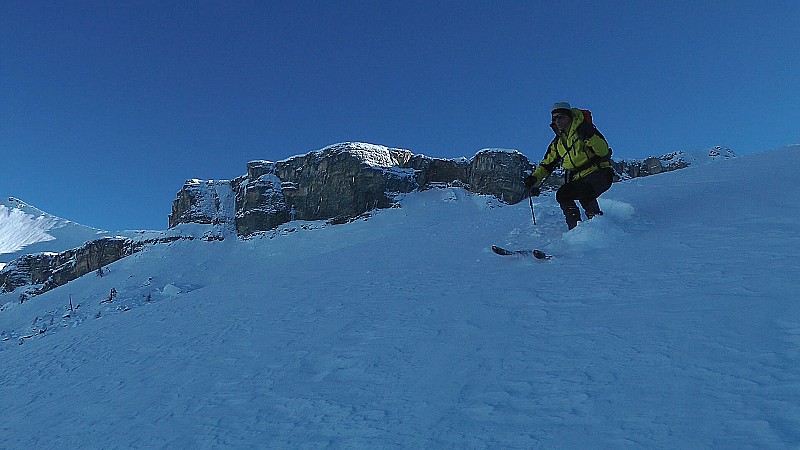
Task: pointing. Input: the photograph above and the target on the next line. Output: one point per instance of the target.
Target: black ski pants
(586, 190)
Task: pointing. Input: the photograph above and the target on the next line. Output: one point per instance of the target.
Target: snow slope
(25, 230)
(671, 322)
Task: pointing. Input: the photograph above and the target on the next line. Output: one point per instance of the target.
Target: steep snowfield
(671, 322)
(19, 229)
(25, 229)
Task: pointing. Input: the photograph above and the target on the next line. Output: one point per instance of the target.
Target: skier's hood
(577, 119)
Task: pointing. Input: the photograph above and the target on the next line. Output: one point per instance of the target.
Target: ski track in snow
(670, 322)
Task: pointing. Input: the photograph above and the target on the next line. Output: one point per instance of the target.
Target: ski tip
(500, 251)
(538, 254)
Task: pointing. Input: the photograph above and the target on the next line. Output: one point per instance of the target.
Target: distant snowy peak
(26, 229)
(694, 157)
(19, 205)
(723, 152)
(22, 225)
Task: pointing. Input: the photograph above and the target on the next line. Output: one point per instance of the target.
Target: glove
(535, 192)
(529, 181)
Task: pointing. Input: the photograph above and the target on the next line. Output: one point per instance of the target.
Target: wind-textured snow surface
(19, 229)
(670, 322)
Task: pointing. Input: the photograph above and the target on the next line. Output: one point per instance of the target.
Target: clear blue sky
(107, 107)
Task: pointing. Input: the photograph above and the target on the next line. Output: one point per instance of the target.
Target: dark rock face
(669, 162)
(25, 270)
(431, 172)
(185, 208)
(499, 173)
(341, 182)
(261, 204)
(51, 270)
(48, 271)
(202, 202)
(650, 166)
(344, 180)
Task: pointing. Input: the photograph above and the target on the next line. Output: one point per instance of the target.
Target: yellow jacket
(581, 150)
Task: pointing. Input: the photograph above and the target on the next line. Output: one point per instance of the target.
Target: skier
(583, 152)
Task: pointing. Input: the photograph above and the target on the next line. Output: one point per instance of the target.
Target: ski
(538, 254)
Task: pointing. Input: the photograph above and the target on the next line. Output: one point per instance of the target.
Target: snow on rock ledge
(370, 154)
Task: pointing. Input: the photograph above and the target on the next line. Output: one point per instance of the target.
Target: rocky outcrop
(627, 169)
(499, 173)
(430, 172)
(51, 270)
(344, 180)
(47, 271)
(261, 203)
(339, 183)
(204, 202)
(26, 270)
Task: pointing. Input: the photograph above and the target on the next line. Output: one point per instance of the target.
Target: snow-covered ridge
(22, 225)
(694, 157)
(25, 229)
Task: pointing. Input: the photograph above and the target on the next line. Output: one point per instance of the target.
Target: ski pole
(530, 195)
(530, 198)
